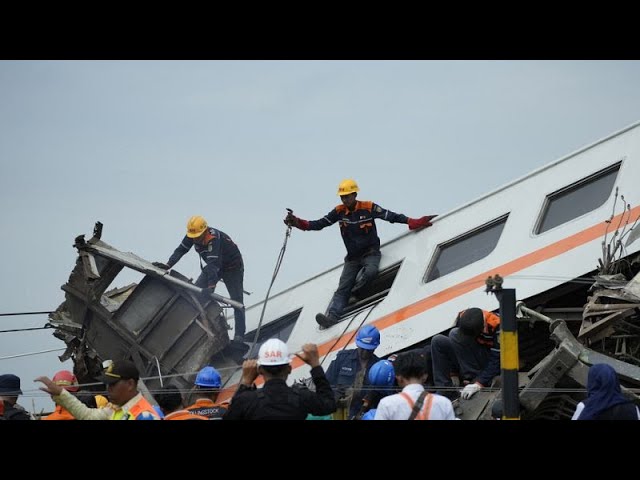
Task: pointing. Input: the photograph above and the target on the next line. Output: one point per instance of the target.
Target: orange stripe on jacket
(364, 205)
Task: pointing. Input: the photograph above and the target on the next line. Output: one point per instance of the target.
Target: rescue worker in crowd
(413, 402)
(382, 381)
(121, 378)
(207, 388)
(222, 260)
(170, 402)
(348, 372)
(605, 400)
(276, 400)
(9, 393)
(359, 234)
(425, 354)
(68, 381)
(472, 349)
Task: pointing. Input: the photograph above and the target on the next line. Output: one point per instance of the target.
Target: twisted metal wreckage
(168, 327)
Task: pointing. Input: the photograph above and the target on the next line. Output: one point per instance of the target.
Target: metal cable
(47, 326)
(354, 332)
(264, 304)
(22, 313)
(32, 353)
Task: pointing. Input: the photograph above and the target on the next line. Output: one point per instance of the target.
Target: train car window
(375, 292)
(465, 249)
(577, 199)
(280, 328)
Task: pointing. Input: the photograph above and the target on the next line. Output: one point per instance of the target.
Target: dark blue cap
(10, 385)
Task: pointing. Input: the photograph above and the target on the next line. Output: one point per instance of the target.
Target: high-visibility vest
(142, 406)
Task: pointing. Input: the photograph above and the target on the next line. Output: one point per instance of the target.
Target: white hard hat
(273, 352)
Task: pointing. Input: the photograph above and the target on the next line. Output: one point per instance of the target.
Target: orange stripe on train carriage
(525, 261)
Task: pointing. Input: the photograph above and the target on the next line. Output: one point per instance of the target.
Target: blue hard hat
(382, 374)
(370, 415)
(208, 377)
(158, 410)
(368, 337)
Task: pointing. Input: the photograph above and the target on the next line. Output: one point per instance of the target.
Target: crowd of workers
(357, 385)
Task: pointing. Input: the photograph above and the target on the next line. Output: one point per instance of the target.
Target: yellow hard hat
(101, 401)
(347, 187)
(195, 226)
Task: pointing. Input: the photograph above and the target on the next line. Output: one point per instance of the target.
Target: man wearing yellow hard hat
(220, 258)
(359, 234)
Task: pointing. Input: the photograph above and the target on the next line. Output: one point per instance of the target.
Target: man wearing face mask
(348, 372)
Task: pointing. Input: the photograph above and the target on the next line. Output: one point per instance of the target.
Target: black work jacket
(277, 401)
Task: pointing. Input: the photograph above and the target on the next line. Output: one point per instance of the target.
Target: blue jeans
(356, 274)
(233, 279)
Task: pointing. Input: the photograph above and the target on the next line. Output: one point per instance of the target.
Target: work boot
(326, 321)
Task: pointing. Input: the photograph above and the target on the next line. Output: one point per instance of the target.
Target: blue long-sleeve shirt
(342, 373)
(358, 227)
(218, 253)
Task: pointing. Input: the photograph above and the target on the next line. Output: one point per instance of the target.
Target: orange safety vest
(60, 413)
(491, 325)
(184, 415)
(208, 408)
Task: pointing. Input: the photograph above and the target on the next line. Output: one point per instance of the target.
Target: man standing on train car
(472, 349)
(360, 236)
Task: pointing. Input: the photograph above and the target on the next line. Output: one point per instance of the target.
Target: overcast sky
(143, 145)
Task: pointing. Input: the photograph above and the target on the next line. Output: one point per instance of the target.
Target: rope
(273, 279)
(264, 304)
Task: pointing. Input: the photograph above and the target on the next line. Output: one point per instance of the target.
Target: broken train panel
(164, 323)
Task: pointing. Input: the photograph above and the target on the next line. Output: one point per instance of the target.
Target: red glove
(292, 221)
(422, 222)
